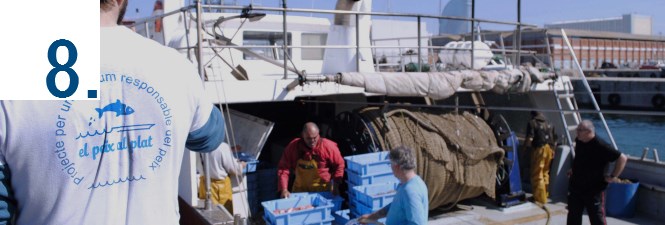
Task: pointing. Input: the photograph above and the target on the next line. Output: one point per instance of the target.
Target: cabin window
(313, 40)
(264, 38)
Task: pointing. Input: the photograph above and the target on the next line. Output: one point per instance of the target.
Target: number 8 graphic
(57, 67)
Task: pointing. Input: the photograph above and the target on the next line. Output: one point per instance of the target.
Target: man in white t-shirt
(222, 166)
(112, 161)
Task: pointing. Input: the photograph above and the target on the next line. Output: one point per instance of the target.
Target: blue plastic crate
(252, 178)
(321, 212)
(375, 195)
(254, 206)
(251, 166)
(350, 192)
(262, 179)
(342, 216)
(266, 177)
(336, 200)
(384, 177)
(267, 195)
(352, 204)
(346, 215)
(353, 215)
(361, 209)
(252, 195)
(370, 163)
(257, 187)
(252, 186)
(326, 222)
(267, 172)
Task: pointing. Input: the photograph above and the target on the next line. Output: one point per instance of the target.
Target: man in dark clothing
(587, 177)
(540, 139)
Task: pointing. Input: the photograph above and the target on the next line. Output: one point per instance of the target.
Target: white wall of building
(641, 24)
(627, 23)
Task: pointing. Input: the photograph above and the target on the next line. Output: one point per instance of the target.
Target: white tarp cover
(441, 85)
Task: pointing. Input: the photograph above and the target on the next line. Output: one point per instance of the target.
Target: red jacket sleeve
(286, 164)
(337, 163)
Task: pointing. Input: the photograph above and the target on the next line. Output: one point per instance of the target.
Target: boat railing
(645, 154)
(198, 9)
(402, 54)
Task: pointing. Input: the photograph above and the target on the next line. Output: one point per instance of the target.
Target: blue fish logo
(118, 107)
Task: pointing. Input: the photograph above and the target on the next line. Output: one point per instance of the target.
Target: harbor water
(633, 133)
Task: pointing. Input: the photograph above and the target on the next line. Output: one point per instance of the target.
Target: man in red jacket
(317, 162)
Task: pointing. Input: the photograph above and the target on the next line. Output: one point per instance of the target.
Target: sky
(536, 12)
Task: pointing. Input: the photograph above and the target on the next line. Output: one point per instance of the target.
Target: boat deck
(479, 211)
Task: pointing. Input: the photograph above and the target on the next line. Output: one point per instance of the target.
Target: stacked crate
(335, 199)
(371, 183)
(261, 186)
(371, 198)
(281, 211)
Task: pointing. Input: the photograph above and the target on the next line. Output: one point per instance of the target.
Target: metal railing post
(420, 60)
(147, 32)
(655, 155)
(588, 88)
(357, 42)
(206, 157)
(285, 36)
(184, 19)
(401, 56)
(518, 43)
(645, 151)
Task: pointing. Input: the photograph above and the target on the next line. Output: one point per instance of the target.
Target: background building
(456, 8)
(592, 48)
(628, 23)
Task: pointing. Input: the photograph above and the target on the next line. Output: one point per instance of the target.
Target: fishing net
(457, 155)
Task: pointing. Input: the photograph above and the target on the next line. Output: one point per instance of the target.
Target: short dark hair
(105, 4)
(403, 157)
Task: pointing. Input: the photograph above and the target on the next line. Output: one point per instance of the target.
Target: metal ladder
(567, 105)
(587, 89)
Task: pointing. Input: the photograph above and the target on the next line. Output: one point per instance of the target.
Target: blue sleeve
(416, 208)
(7, 203)
(208, 137)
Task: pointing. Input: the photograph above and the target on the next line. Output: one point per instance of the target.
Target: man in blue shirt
(410, 204)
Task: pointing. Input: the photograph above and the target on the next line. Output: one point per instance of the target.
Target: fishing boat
(272, 69)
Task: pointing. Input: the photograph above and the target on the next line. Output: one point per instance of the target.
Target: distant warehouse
(624, 42)
(592, 48)
(628, 23)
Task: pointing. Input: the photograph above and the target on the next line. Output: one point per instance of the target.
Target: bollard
(236, 219)
(644, 154)
(655, 155)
